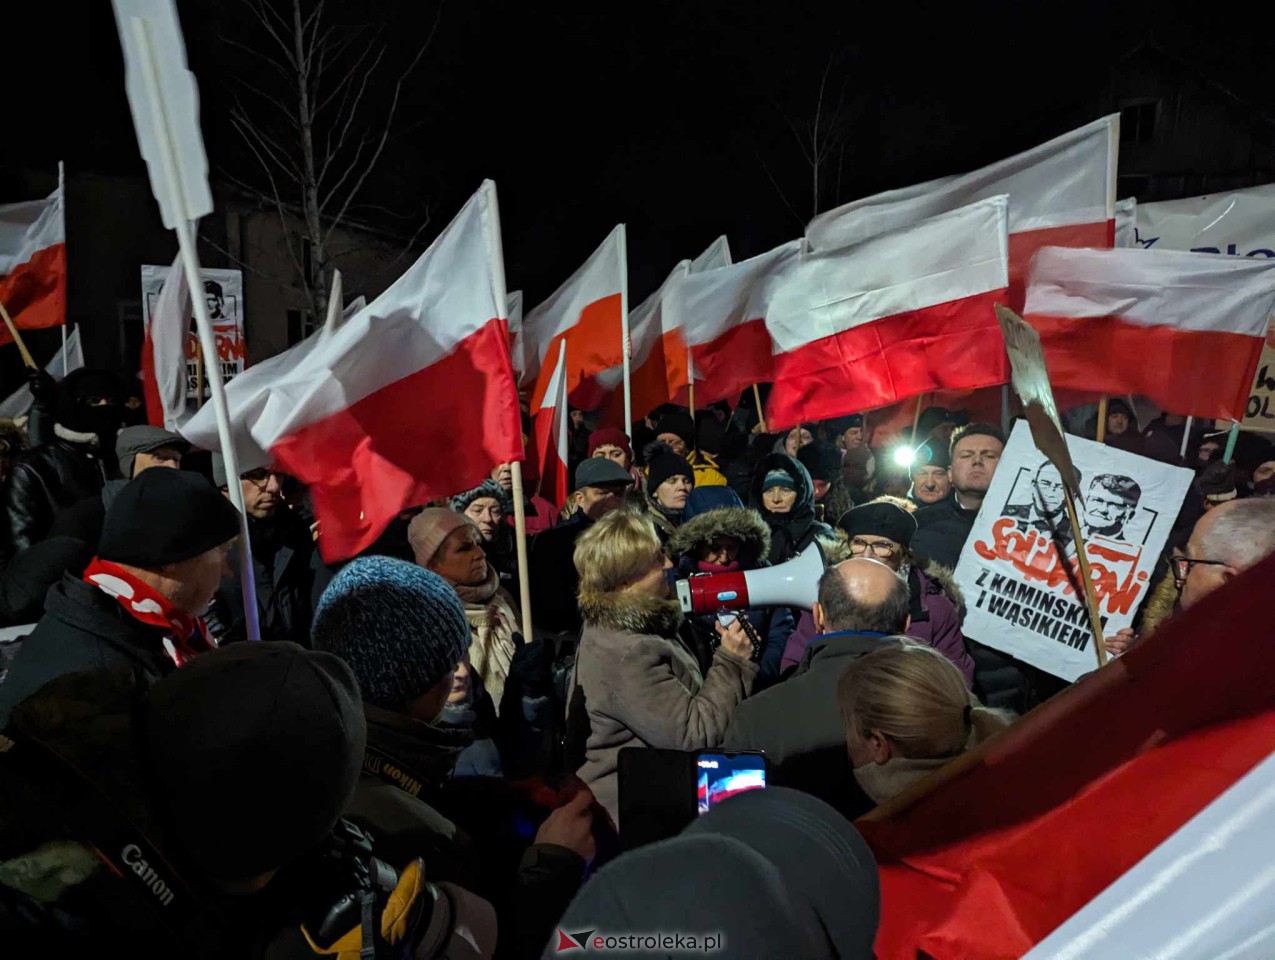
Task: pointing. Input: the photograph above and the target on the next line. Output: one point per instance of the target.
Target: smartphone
(726, 617)
(723, 775)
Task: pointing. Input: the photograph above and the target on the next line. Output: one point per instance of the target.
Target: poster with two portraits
(1019, 571)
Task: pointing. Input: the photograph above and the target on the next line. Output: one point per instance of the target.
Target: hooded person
(488, 507)
(1122, 428)
(822, 461)
(883, 532)
(70, 467)
(448, 543)
(720, 535)
(404, 633)
(769, 873)
(669, 481)
(783, 493)
(139, 602)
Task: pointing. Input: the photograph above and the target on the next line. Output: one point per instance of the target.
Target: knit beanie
(610, 437)
(821, 459)
(165, 516)
(488, 488)
(932, 453)
(256, 749)
(429, 529)
(1217, 482)
(679, 423)
(400, 627)
(778, 478)
(662, 463)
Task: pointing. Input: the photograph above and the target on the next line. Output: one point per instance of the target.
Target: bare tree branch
(261, 10)
(779, 190)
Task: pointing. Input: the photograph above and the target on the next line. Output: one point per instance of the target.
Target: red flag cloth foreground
(412, 398)
(33, 263)
(1185, 329)
(1049, 814)
(900, 314)
(552, 432)
(588, 313)
(1061, 193)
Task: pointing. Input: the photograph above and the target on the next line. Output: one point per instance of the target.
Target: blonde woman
(640, 685)
(908, 713)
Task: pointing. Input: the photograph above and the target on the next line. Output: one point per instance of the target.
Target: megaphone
(791, 584)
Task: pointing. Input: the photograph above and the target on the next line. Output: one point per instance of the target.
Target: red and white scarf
(186, 637)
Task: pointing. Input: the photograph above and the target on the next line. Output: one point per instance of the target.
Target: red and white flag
(164, 352)
(1061, 193)
(720, 316)
(552, 430)
(1185, 329)
(588, 313)
(413, 398)
(900, 314)
(33, 263)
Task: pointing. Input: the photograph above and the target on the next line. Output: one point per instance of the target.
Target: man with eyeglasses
(943, 528)
(282, 550)
(1226, 541)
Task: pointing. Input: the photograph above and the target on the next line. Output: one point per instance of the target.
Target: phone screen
(722, 775)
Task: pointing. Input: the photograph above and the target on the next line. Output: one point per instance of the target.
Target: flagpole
(190, 263)
(520, 537)
(916, 420)
(199, 376)
(62, 195)
(17, 338)
(690, 378)
(761, 416)
(1005, 409)
(1231, 440)
(1186, 435)
(625, 346)
(1091, 598)
(1102, 421)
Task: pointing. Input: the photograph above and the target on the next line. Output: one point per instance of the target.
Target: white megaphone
(791, 584)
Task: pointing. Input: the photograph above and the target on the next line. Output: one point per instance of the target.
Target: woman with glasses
(882, 531)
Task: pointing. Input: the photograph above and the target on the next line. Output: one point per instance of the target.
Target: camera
(345, 885)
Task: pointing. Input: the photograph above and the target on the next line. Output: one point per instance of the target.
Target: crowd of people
(403, 766)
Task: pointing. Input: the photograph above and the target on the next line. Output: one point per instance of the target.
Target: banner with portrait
(223, 292)
(1019, 571)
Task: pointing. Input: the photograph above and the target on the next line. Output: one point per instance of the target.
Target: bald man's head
(862, 595)
(1237, 534)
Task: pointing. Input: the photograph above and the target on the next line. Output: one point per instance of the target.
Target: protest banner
(1240, 223)
(1019, 569)
(223, 293)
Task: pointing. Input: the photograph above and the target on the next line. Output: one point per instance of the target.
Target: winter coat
(773, 624)
(82, 629)
(937, 610)
(707, 472)
(282, 551)
(838, 501)
(642, 687)
(84, 520)
(25, 583)
(942, 531)
(554, 581)
(794, 531)
(43, 481)
(799, 725)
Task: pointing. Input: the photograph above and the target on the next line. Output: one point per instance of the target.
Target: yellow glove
(398, 919)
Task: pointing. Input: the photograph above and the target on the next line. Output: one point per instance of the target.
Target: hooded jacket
(642, 687)
(773, 624)
(794, 531)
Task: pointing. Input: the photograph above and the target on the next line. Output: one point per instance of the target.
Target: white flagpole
(335, 297)
(62, 194)
(626, 345)
(190, 262)
(1186, 435)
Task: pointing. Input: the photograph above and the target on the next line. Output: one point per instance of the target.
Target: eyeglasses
(878, 548)
(258, 478)
(1181, 567)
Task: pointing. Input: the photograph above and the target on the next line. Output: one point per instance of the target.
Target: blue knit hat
(400, 627)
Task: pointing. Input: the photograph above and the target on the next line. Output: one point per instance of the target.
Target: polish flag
(588, 313)
(413, 398)
(551, 427)
(1185, 329)
(720, 315)
(517, 345)
(33, 263)
(901, 314)
(70, 356)
(1061, 193)
(164, 352)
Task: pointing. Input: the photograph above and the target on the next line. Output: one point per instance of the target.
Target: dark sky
(667, 115)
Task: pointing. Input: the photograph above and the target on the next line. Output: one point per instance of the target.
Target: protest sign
(1019, 569)
(223, 293)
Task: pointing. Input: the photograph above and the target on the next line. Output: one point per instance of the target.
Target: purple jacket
(937, 611)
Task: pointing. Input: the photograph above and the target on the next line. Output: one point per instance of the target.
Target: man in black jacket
(943, 528)
(798, 723)
(162, 554)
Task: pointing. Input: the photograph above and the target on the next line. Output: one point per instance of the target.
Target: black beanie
(255, 750)
(880, 520)
(662, 463)
(821, 459)
(166, 516)
(679, 423)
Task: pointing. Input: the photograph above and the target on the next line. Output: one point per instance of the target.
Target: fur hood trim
(739, 523)
(631, 613)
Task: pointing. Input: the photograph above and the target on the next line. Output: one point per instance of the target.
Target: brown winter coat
(642, 687)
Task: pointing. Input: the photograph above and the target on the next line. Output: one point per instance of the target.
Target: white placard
(1019, 571)
(223, 291)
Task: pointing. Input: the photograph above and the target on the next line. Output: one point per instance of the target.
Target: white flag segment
(157, 19)
(900, 314)
(717, 255)
(517, 343)
(720, 315)
(33, 263)
(1185, 329)
(586, 310)
(164, 351)
(551, 428)
(1126, 229)
(364, 416)
(70, 356)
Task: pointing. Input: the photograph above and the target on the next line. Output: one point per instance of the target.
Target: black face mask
(104, 422)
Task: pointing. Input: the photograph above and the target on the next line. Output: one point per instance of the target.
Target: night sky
(671, 116)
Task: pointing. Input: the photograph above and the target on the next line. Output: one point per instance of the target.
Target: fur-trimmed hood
(739, 523)
(631, 613)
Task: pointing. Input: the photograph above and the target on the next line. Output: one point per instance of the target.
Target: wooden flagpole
(1091, 598)
(690, 378)
(1102, 421)
(916, 420)
(761, 416)
(17, 338)
(520, 537)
